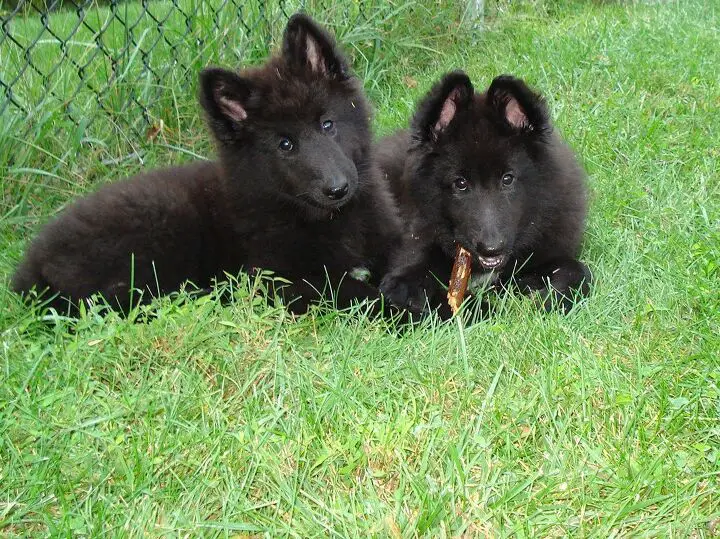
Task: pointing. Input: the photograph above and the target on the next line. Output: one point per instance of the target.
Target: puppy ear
(521, 109)
(224, 95)
(448, 98)
(308, 47)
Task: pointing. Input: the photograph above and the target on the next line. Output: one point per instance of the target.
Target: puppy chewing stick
(459, 278)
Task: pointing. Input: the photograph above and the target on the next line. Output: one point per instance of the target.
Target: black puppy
(294, 191)
(489, 172)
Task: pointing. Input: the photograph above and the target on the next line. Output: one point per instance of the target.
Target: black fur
(310, 208)
(489, 172)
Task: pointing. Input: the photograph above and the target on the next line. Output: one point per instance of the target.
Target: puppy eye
(460, 183)
(286, 144)
(507, 179)
(327, 125)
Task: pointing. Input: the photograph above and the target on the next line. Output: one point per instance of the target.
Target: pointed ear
(521, 109)
(307, 46)
(448, 98)
(224, 95)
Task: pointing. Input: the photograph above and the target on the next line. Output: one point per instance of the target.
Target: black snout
(491, 254)
(491, 249)
(337, 190)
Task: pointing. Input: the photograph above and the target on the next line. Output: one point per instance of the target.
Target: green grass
(232, 420)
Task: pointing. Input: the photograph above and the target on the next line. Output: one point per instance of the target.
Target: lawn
(224, 420)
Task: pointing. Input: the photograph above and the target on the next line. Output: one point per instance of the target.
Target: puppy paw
(404, 293)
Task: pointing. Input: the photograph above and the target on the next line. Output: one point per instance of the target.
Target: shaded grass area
(231, 420)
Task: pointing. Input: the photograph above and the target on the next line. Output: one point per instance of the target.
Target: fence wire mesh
(123, 63)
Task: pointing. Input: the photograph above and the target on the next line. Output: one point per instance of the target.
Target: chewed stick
(459, 278)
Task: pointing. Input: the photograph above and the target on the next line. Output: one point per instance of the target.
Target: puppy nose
(491, 249)
(336, 191)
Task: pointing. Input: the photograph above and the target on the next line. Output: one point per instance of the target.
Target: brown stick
(459, 278)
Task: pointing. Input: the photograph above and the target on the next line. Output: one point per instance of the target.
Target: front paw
(404, 293)
(557, 285)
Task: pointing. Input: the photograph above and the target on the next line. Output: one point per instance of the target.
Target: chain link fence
(124, 63)
(91, 68)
